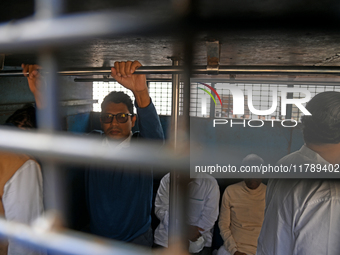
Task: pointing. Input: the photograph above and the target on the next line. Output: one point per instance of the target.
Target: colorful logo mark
(213, 90)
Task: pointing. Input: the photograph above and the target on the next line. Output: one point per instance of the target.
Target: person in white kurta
(21, 185)
(204, 196)
(22, 199)
(302, 217)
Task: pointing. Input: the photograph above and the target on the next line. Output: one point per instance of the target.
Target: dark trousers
(145, 239)
(204, 251)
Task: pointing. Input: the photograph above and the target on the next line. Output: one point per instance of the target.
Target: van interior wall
(271, 142)
(14, 93)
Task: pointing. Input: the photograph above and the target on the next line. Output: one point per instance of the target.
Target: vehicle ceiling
(262, 32)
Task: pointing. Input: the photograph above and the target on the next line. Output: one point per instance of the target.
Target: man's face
(116, 130)
(253, 183)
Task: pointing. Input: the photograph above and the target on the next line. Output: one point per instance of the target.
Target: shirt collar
(198, 178)
(312, 154)
(124, 144)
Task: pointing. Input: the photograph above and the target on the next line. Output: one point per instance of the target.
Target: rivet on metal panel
(213, 56)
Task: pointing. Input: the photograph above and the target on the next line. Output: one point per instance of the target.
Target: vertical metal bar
(186, 79)
(173, 192)
(48, 118)
(49, 121)
(45, 9)
(179, 202)
(175, 102)
(48, 115)
(173, 227)
(184, 178)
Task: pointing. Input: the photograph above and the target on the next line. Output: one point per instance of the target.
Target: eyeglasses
(120, 117)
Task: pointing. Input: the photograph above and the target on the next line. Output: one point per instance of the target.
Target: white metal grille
(160, 92)
(101, 89)
(262, 99)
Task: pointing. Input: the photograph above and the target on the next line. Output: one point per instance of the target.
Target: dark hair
(118, 97)
(323, 126)
(23, 117)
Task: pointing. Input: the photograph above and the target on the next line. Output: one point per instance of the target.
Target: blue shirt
(119, 200)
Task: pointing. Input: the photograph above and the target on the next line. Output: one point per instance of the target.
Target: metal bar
(271, 70)
(64, 147)
(48, 117)
(224, 70)
(221, 80)
(66, 241)
(72, 29)
(10, 108)
(173, 192)
(179, 229)
(78, 102)
(175, 103)
(275, 82)
(113, 80)
(48, 8)
(54, 189)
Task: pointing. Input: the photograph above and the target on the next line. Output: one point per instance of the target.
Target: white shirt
(203, 207)
(124, 144)
(302, 217)
(23, 201)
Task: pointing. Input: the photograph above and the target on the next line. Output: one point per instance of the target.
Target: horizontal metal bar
(78, 102)
(66, 241)
(273, 82)
(113, 80)
(64, 147)
(9, 108)
(14, 107)
(106, 71)
(275, 70)
(34, 34)
(246, 81)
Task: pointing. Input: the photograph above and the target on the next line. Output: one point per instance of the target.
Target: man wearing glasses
(119, 199)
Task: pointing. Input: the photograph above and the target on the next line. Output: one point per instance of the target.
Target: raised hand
(123, 73)
(34, 81)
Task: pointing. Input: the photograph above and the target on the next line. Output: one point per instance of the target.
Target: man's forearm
(142, 98)
(149, 123)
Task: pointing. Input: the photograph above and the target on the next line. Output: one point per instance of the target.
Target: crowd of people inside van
(297, 216)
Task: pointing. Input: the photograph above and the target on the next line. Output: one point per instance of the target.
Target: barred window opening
(204, 103)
